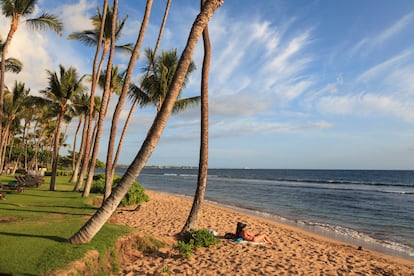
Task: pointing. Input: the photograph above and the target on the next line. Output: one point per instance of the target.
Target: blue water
(374, 208)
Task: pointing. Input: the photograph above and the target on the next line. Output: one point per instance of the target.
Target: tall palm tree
(138, 97)
(192, 219)
(124, 93)
(15, 10)
(107, 93)
(102, 32)
(84, 141)
(14, 101)
(61, 90)
(95, 223)
(80, 105)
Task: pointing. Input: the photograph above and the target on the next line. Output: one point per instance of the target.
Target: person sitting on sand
(242, 232)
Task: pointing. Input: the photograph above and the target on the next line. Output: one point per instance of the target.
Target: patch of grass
(35, 226)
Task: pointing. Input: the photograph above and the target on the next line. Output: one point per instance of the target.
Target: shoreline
(295, 250)
(363, 241)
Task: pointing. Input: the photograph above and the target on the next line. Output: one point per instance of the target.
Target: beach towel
(240, 240)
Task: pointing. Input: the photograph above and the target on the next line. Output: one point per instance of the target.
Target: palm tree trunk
(135, 103)
(13, 27)
(192, 219)
(75, 141)
(95, 78)
(80, 159)
(55, 155)
(95, 223)
(124, 94)
(104, 105)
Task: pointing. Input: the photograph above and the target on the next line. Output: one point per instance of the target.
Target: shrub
(195, 239)
(135, 195)
(185, 249)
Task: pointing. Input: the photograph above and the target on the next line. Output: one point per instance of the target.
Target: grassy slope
(35, 224)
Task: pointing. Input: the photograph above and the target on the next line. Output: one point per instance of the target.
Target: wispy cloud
(383, 37)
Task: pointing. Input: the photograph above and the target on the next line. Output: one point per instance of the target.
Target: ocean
(369, 208)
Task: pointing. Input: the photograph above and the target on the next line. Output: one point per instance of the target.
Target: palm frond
(46, 21)
(13, 65)
(183, 104)
(89, 37)
(127, 48)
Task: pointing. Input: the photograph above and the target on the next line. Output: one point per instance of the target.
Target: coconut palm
(95, 113)
(192, 219)
(103, 33)
(139, 98)
(95, 223)
(115, 86)
(80, 105)
(61, 91)
(16, 10)
(14, 101)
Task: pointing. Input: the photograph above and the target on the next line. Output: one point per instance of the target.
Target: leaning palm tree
(191, 222)
(99, 37)
(15, 10)
(138, 97)
(62, 89)
(153, 90)
(107, 93)
(95, 223)
(80, 105)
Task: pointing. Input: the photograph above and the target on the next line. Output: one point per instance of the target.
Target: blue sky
(293, 84)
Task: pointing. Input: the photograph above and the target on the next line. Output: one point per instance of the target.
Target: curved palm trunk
(80, 159)
(75, 139)
(95, 78)
(192, 219)
(55, 155)
(124, 94)
(134, 104)
(13, 27)
(95, 223)
(104, 105)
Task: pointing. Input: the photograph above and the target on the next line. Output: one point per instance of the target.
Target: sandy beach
(294, 252)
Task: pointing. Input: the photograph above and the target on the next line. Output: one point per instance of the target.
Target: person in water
(242, 232)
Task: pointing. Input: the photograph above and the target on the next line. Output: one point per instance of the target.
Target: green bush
(185, 249)
(136, 194)
(195, 239)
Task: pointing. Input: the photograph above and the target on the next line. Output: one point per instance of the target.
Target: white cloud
(384, 36)
(76, 17)
(368, 105)
(383, 68)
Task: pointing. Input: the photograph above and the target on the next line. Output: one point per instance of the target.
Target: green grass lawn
(35, 224)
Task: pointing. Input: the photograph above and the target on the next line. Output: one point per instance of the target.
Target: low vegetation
(35, 224)
(135, 195)
(195, 239)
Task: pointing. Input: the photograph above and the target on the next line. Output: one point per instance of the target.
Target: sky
(294, 84)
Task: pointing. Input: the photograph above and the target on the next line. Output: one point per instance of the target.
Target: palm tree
(80, 105)
(102, 32)
(138, 97)
(191, 222)
(161, 72)
(15, 10)
(109, 84)
(61, 92)
(14, 101)
(97, 108)
(95, 223)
